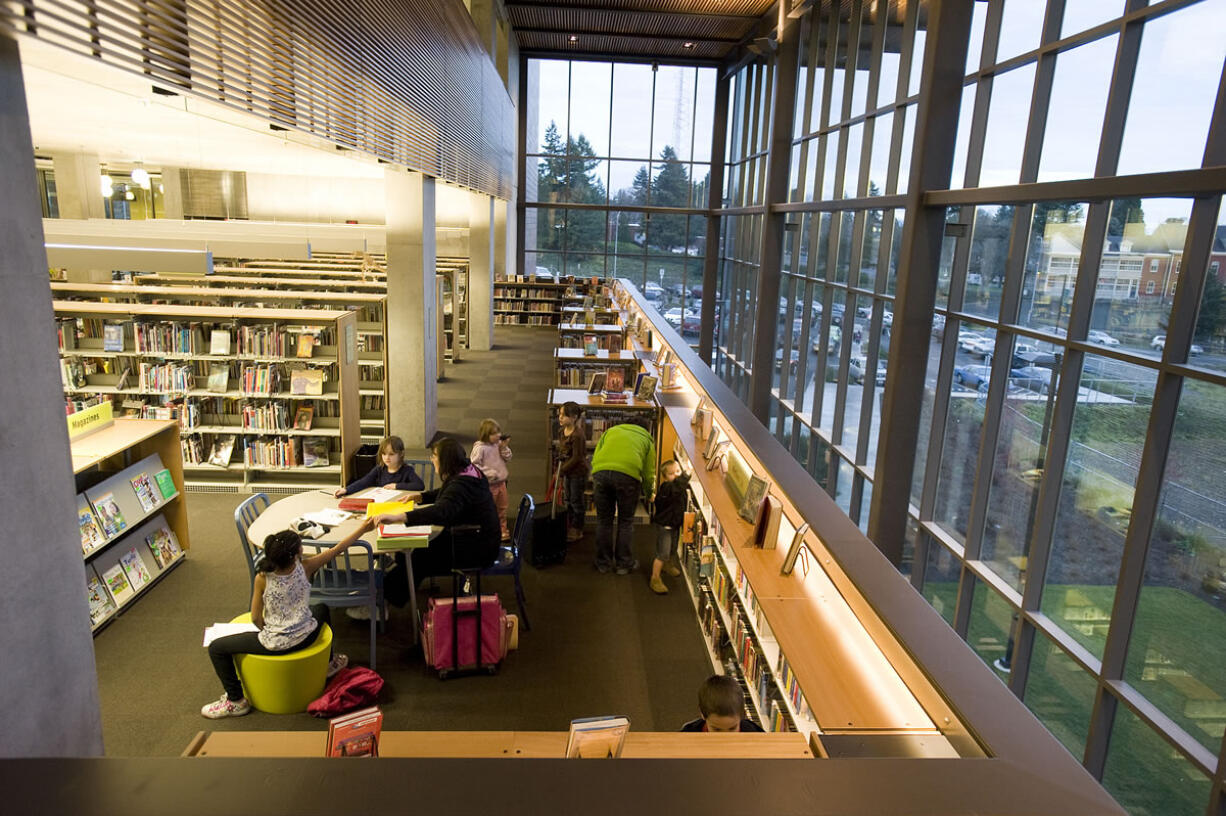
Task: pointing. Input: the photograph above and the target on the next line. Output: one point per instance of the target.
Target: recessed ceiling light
(687, 45)
(574, 38)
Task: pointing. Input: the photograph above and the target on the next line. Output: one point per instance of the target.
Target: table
(509, 744)
(283, 511)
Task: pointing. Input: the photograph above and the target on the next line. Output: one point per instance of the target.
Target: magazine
(219, 341)
(134, 567)
(597, 737)
(219, 378)
(166, 483)
(222, 449)
(100, 603)
(112, 337)
(163, 546)
(108, 511)
(144, 491)
(306, 382)
(117, 584)
(306, 344)
(303, 417)
(315, 451)
(615, 379)
(91, 535)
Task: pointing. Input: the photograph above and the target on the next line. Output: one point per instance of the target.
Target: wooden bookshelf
(573, 367)
(104, 463)
(170, 368)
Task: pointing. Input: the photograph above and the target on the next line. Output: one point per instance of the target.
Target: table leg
(416, 623)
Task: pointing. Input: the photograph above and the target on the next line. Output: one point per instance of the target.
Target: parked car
(691, 324)
(1041, 359)
(1159, 343)
(543, 273)
(674, 316)
(793, 365)
(1033, 378)
(1101, 338)
(973, 376)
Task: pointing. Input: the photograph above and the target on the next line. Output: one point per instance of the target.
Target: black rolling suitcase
(548, 545)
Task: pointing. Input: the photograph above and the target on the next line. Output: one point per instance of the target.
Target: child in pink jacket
(490, 455)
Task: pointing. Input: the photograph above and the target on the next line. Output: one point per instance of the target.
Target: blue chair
(340, 584)
(425, 469)
(244, 516)
(508, 560)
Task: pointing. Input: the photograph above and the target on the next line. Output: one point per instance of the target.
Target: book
(798, 541)
(219, 341)
(766, 525)
(100, 603)
(91, 534)
(359, 502)
(717, 455)
(223, 447)
(217, 630)
(117, 584)
(112, 337)
(165, 483)
(108, 511)
(589, 345)
(164, 546)
(712, 441)
(355, 734)
(615, 379)
(614, 344)
(306, 344)
(135, 569)
(144, 491)
(668, 375)
(303, 417)
(597, 737)
(315, 451)
(705, 420)
(306, 382)
(596, 384)
(589, 316)
(124, 376)
(398, 503)
(755, 493)
(647, 388)
(664, 357)
(219, 378)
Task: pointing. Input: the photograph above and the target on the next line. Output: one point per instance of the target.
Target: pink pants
(499, 492)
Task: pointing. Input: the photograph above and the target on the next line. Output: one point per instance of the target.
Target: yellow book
(378, 508)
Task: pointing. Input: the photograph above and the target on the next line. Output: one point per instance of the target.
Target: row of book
(263, 452)
(525, 319)
(525, 306)
(188, 338)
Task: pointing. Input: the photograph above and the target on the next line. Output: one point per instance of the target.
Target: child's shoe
(657, 586)
(672, 569)
(337, 663)
(225, 707)
(574, 534)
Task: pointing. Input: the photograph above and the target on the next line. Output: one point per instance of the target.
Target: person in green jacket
(623, 467)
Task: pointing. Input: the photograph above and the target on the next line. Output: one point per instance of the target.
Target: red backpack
(348, 689)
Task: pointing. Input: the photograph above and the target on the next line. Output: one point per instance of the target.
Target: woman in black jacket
(463, 499)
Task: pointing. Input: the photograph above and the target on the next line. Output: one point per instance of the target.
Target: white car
(674, 316)
(1159, 344)
(1101, 338)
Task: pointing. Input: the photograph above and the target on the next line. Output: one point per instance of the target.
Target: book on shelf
(615, 379)
(163, 545)
(589, 316)
(117, 584)
(355, 734)
(124, 377)
(306, 344)
(589, 345)
(223, 448)
(614, 344)
(110, 514)
(646, 388)
(596, 384)
(112, 337)
(706, 557)
(798, 542)
(668, 375)
(306, 382)
(699, 406)
(587, 302)
(165, 483)
(755, 493)
(144, 491)
(615, 398)
(597, 737)
(135, 569)
(716, 459)
(766, 525)
(303, 417)
(712, 442)
(315, 451)
(704, 423)
(100, 603)
(219, 341)
(219, 378)
(664, 357)
(91, 534)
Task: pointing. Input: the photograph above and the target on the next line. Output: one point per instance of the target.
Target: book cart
(130, 511)
(256, 412)
(574, 367)
(807, 648)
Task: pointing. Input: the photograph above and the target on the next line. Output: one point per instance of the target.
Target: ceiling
(666, 30)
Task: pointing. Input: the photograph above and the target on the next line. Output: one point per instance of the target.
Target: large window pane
(917, 61)
(553, 77)
(1177, 656)
(1075, 113)
(1006, 131)
(1146, 776)
(990, 631)
(959, 453)
(589, 104)
(1176, 82)
(925, 424)
(673, 123)
(941, 579)
(1052, 257)
(1100, 473)
(904, 150)
(1082, 14)
(851, 171)
(631, 128)
(974, 47)
(1060, 694)
(957, 179)
(985, 274)
(585, 233)
(879, 163)
(1209, 342)
(629, 183)
(1020, 28)
(704, 114)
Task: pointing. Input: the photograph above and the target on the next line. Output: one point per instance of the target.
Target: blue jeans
(615, 493)
(666, 542)
(572, 493)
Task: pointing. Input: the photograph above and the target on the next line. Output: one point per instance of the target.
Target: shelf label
(90, 420)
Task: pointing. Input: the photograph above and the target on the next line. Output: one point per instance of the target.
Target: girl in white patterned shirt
(280, 609)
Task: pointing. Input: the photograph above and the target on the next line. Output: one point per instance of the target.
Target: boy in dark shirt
(722, 705)
(668, 517)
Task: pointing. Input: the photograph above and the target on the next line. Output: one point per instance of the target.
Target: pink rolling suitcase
(450, 637)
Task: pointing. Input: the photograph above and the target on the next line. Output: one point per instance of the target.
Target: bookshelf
(254, 391)
(370, 308)
(608, 336)
(576, 314)
(530, 303)
(573, 367)
(810, 651)
(152, 539)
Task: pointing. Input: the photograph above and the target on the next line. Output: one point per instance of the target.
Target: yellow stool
(285, 684)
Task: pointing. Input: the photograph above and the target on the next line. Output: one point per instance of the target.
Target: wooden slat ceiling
(640, 29)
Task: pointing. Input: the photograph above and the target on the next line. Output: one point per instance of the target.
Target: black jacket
(671, 501)
(700, 725)
(405, 479)
(463, 499)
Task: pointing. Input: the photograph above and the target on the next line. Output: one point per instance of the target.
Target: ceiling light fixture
(687, 45)
(574, 38)
(140, 177)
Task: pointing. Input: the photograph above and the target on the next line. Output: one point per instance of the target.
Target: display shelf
(573, 367)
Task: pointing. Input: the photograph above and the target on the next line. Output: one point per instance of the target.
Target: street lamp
(617, 234)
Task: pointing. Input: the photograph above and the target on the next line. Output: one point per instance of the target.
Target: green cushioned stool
(285, 684)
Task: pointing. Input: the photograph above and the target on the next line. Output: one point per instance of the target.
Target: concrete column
(481, 273)
(172, 194)
(412, 314)
(77, 185)
(47, 647)
(486, 19)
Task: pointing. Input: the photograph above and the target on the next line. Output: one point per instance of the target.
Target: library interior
(643, 448)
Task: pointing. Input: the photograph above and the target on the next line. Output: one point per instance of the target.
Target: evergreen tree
(641, 186)
(670, 188)
(1212, 317)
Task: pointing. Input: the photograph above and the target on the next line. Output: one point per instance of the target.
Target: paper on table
(328, 517)
(217, 630)
(379, 494)
(378, 508)
(396, 530)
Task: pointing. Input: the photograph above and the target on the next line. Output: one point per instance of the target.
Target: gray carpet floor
(599, 644)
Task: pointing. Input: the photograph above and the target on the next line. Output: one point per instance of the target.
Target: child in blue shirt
(393, 473)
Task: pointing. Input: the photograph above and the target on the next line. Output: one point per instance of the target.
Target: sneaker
(626, 570)
(1001, 665)
(657, 586)
(573, 535)
(672, 569)
(338, 662)
(361, 613)
(225, 707)
(603, 569)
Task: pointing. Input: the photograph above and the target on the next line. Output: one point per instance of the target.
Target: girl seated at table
(280, 609)
(393, 473)
(464, 498)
